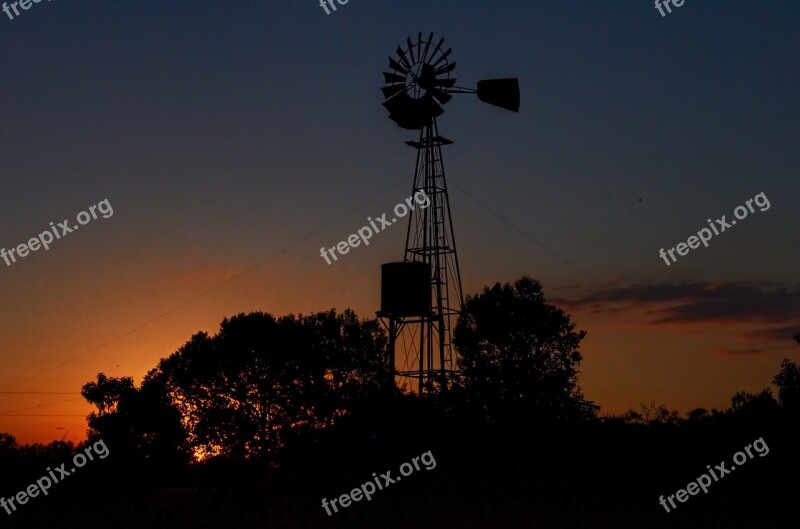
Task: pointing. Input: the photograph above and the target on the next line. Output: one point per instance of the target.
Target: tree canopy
(246, 390)
(519, 355)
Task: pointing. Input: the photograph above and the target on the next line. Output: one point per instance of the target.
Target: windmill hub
(414, 85)
(427, 78)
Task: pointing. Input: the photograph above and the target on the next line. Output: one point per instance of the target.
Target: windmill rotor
(416, 86)
(420, 83)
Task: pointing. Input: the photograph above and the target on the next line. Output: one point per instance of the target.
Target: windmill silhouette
(421, 297)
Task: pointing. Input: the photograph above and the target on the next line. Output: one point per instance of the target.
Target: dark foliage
(519, 356)
(253, 426)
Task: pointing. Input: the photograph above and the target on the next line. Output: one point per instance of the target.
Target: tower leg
(391, 355)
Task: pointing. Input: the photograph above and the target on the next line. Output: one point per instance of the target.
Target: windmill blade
(402, 55)
(432, 108)
(411, 114)
(419, 47)
(444, 56)
(391, 91)
(410, 49)
(391, 105)
(438, 47)
(446, 69)
(397, 66)
(391, 78)
(503, 93)
(446, 83)
(427, 47)
(398, 105)
(441, 97)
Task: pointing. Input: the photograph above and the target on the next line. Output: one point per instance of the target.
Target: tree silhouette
(652, 414)
(788, 382)
(261, 381)
(519, 355)
(8, 444)
(136, 422)
(754, 408)
(698, 415)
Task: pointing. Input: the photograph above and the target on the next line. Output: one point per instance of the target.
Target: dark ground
(593, 476)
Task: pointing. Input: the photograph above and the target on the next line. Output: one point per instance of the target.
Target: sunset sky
(235, 139)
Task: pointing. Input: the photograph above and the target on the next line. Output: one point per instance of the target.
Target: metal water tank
(406, 289)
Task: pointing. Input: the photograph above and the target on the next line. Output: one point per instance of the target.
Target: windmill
(421, 296)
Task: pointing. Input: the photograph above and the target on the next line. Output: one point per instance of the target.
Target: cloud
(698, 302)
(772, 333)
(741, 351)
